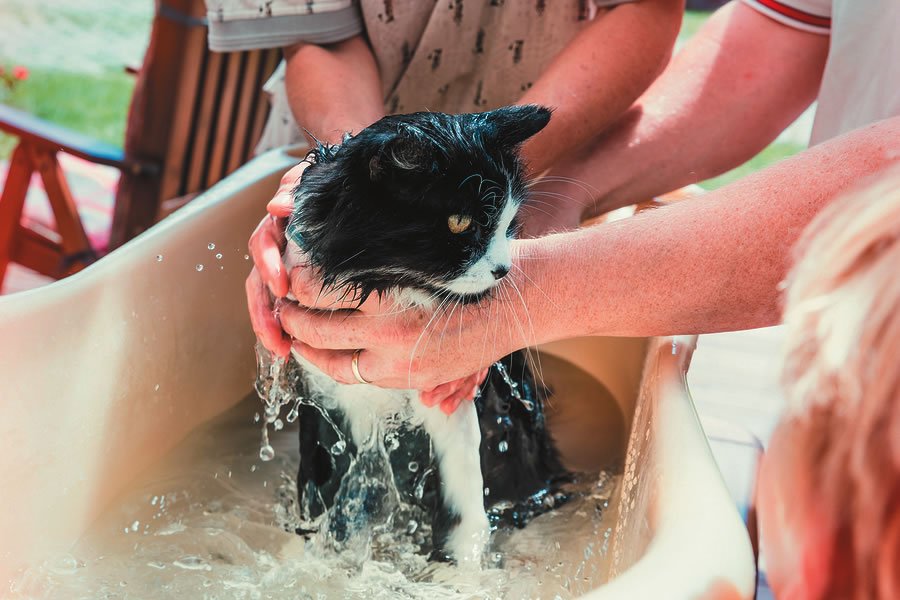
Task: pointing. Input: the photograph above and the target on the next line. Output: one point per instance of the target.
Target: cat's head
(423, 201)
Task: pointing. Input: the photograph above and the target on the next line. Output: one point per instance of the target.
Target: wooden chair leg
(75, 246)
(12, 202)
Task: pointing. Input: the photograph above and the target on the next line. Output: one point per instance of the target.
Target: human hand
(444, 351)
(269, 277)
(450, 395)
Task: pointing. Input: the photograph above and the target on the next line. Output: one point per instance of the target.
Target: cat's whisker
(412, 354)
(559, 196)
(447, 321)
(589, 189)
(536, 286)
(536, 354)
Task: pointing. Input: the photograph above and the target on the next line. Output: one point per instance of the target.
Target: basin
(104, 373)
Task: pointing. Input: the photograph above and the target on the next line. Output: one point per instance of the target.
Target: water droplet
(135, 525)
(391, 442)
(159, 258)
(278, 425)
(211, 246)
(487, 491)
(66, 565)
(503, 446)
(339, 447)
(253, 467)
(266, 453)
(191, 563)
(412, 526)
(154, 500)
(219, 255)
(413, 466)
(199, 267)
(246, 257)
(256, 417)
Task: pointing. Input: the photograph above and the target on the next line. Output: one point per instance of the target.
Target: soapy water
(218, 518)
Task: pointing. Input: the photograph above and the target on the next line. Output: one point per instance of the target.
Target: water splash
(513, 386)
(234, 537)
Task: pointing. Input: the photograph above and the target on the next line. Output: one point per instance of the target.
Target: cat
(421, 208)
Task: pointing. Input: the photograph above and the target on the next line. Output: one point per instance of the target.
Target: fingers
(450, 395)
(348, 330)
(334, 363)
(266, 245)
(282, 204)
(262, 317)
(440, 393)
(325, 330)
(306, 285)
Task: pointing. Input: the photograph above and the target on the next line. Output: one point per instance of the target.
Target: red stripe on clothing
(796, 14)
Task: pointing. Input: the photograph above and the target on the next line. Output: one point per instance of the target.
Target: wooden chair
(194, 118)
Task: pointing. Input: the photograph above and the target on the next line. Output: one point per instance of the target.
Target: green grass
(772, 154)
(692, 21)
(95, 104)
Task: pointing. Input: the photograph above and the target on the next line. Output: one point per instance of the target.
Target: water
(212, 520)
(216, 518)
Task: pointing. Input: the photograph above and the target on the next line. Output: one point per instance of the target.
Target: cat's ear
(406, 151)
(512, 125)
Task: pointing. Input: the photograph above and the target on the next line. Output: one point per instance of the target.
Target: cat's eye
(459, 223)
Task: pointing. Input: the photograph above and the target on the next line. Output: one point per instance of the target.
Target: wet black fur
(374, 209)
(372, 214)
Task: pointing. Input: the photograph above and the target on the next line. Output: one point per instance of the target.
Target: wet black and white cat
(421, 208)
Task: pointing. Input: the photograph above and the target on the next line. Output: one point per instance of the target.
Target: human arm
(732, 89)
(599, 74)
(333, 89)
(711, 264)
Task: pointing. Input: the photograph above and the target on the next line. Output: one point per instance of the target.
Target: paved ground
(735, 376)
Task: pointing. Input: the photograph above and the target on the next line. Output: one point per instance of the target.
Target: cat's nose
(500, 271)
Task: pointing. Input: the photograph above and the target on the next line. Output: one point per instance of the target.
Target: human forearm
(333, 89)
(599, 74)
(726, 95)
(709, 264)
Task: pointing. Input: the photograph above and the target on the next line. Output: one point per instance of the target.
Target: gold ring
(354, 364)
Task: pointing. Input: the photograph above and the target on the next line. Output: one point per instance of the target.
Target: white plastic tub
(104, 372)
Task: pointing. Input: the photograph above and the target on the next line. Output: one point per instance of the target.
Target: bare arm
(741, 80)
(706, 265)
(599, 74)
(335, 88)
(710, 264)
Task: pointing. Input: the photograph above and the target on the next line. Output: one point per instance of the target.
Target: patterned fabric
(232, 10)
(454, 55)
(861, 82)
(806, 15)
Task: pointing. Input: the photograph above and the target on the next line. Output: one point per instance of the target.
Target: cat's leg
(456, 441)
